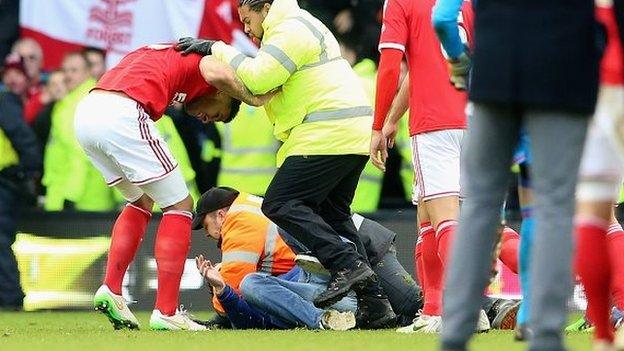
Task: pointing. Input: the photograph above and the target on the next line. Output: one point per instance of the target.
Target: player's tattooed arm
(223, 77)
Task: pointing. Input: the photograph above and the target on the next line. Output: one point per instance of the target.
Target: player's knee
(185, 205)
(144, 203)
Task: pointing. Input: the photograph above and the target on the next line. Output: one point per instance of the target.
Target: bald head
(32, 53)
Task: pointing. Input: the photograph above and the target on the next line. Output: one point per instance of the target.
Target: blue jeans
(291, 301)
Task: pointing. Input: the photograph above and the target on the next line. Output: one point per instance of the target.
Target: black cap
(213, 199)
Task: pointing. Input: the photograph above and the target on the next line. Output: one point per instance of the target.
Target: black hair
(81, 54)
(90, 49)
(234, 108)
(255, 5)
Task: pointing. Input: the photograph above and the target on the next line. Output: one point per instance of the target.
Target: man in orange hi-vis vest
(250, 243)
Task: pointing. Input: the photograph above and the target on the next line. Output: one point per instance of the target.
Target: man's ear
(265, 8)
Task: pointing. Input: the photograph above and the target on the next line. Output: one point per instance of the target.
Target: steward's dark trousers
(11, 295)
(310, 198)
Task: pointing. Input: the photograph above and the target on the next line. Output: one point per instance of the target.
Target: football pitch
(90, 331)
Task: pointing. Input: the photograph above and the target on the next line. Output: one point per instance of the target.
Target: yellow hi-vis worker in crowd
(247, 153)
(323, 117)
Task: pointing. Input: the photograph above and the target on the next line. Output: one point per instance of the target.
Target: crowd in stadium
(302, 255)
(209, 154)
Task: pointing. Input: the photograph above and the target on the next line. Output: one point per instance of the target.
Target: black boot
(341, 283)
(374, 309)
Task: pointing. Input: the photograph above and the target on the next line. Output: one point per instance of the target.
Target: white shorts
(602, 165)
(123, 143)
(436, 158)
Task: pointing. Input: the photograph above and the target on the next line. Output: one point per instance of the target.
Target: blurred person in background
(247, 154)
(32, 53)
(20, 164)
(359, 18)
(97, 61)
(14, 77)
(9, 25)
(369, 190)
(55, 90)
(71, 182)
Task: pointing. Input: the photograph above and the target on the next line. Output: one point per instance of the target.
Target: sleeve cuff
(391, 46)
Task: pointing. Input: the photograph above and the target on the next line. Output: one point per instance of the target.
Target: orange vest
(250, 243)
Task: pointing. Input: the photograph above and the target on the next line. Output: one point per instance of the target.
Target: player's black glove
(200, 46)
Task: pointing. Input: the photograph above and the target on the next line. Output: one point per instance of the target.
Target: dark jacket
(536, 54)
(21, 136)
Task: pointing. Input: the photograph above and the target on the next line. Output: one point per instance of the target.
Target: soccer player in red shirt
(437, 122)
(598, 260)
(115, 127)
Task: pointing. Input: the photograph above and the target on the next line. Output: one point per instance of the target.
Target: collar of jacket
(279, 10)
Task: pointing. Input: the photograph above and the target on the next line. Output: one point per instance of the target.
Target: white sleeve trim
(391, 46)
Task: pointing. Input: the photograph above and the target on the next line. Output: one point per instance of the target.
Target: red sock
(593, 267)
(444, 236)
(418, 257)
(128, 232)
(173, 241)
(510, 242)
(615, 241)
(433, 273)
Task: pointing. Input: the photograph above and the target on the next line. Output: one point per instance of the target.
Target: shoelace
(184, 312)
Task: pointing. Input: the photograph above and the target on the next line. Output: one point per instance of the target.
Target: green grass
(88, 331)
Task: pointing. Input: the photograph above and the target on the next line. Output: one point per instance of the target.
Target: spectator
(32, 54)
(358, 18)
(71, 180)
(248, 154)
(14, 76)
(54, 91)
(9, 25)
(20, 161)
(97, 61)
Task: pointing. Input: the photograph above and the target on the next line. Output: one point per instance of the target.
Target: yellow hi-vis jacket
(250, 243)
(247, 153)
(8, 155)
(322, 108)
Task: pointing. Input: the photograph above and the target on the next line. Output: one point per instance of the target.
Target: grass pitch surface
(90, 331)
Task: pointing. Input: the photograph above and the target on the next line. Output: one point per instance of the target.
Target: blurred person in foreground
(20, 164)
(532, 88)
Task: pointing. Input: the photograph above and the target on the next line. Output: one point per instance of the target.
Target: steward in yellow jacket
(321, 114)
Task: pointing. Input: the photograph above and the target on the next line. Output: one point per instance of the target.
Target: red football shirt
(156, 76)
(434, 103)
(612, 63)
